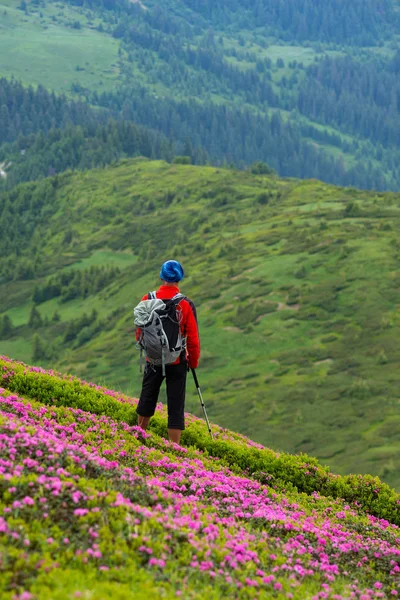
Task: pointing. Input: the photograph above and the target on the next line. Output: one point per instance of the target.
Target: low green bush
(55, 390)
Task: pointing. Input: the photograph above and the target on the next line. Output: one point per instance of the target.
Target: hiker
(175, 363)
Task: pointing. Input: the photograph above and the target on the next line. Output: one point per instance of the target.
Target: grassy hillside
(296, 285)
(45, 46)
(91, 506)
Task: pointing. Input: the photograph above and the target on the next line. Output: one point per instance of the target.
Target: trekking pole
(196, 382)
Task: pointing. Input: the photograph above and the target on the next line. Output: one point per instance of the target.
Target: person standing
(175, 373)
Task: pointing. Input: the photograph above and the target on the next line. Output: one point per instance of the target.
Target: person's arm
(192, 335)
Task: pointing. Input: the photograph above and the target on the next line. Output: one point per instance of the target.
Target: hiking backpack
(159, 322)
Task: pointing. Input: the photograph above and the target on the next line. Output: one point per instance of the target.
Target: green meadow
(45, 47)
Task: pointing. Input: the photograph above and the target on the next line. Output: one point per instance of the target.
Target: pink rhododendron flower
(28, 501)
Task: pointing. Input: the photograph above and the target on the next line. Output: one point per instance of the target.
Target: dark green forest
(42, 134)
(364, 21)
(25, 110)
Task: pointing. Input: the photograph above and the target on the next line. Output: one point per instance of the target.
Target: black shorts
(175, 376)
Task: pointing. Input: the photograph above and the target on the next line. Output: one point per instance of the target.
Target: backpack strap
(152, 296)
(177, 298)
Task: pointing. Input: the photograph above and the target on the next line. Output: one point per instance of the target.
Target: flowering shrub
(86, 503)
(240, 454)
(92, 506)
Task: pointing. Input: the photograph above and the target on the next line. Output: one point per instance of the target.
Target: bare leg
(174, 435)
(143, 422)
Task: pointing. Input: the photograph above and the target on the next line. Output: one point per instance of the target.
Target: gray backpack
(159, 321)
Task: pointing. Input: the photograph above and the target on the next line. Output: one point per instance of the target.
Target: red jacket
(189, 328)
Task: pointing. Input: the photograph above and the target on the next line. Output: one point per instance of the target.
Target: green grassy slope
(296, 285)
(42, 47)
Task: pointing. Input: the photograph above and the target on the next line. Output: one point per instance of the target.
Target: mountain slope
(230, 75)
(43, 134)
(91, 505)
(296, 285)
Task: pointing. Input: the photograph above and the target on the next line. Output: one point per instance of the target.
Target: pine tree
(6, 327)
(56, 317)
(39, 349)
(35, 319)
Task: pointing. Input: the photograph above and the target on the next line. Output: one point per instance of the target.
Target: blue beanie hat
(171, 271)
